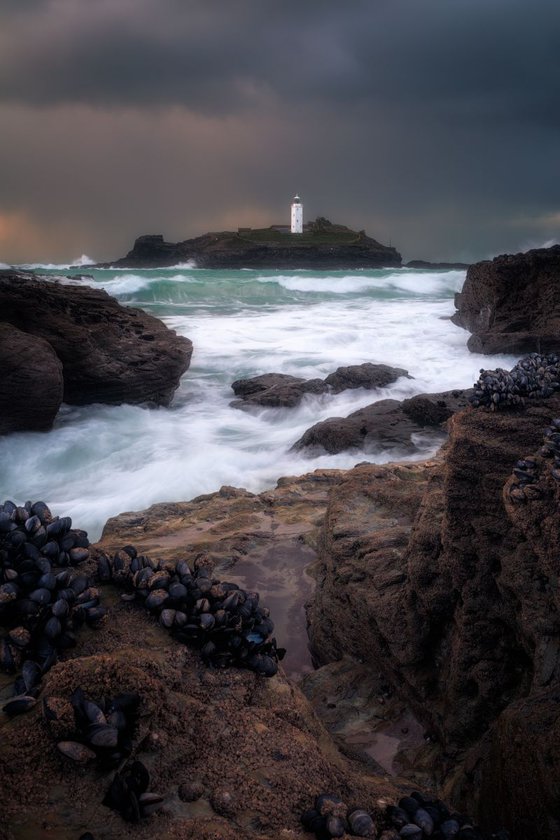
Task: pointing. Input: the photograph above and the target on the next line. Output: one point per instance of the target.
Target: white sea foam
(4, 265)
(101, 460)
(432, 283)
(44, 266)
(188, 264)
(80, 262)
(83, 260)
(123, 284)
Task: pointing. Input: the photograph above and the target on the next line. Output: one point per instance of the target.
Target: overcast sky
(433, 124)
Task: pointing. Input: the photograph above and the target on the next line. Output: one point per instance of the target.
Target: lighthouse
(297, 215)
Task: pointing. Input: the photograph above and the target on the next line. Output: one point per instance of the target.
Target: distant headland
(320, 245)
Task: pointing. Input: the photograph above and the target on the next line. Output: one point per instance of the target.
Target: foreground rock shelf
(431, 592)
(231, 754)
(421, 575)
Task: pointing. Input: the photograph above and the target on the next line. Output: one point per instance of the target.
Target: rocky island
(321, 245)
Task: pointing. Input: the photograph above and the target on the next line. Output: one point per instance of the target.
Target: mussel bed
(535, 376)
(415, 817)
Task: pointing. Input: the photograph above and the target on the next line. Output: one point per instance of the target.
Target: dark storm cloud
(222, 55)
(431, 122)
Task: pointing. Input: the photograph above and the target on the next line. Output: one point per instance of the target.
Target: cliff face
(511, 304)
(461, 616)
(81, 346)
(330, 246)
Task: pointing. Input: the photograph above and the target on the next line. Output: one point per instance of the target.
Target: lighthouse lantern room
(297, 215)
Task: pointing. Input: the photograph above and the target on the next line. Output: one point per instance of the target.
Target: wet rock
(32, 381)
(446, 630)
(109, 353)
(386, 424)
(281, 390)
(510, 304)
(366, 375)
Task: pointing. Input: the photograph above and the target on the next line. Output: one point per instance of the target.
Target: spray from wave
(80, 262)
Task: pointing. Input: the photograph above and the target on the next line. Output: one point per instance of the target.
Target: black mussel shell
(397, 816)
(336, 826)
(76, 752)
(408, 804)
(411, 832)
(423, 819)
(103, 735)
(150, 803)
(361, 824)
(19, 705)
(31, 674)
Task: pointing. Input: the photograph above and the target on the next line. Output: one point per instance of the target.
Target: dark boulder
(386, 424)
(281, 390)
(32, 384)
(258, 384)
(437, 266)
(511, 304)
(274, 390)
(363, 376)
(110, 353)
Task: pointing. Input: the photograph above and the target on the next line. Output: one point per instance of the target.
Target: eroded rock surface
(32, 383)
(434, 620)
(386, 424)
(109, 353)
(459, 612)
(511, 304)
(260, 541)
(235, 755)
(248, 749)
(280, 389)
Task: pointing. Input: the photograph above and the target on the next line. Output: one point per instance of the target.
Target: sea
(101, 460)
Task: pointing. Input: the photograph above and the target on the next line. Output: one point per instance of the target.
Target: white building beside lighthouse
(297, 215)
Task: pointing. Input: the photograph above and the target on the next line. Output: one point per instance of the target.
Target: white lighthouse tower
(297, 215)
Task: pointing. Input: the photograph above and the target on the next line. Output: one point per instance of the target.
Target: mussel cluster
(527, 471)
(416, 817)
(43, 600)
(551, 448)
(331, 817)
(129, 795)
(226, 623)
(523, 486)
(103, 731)
(419, 816)
(535, 376)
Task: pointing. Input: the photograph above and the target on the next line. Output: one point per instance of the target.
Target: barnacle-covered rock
(226, 623)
